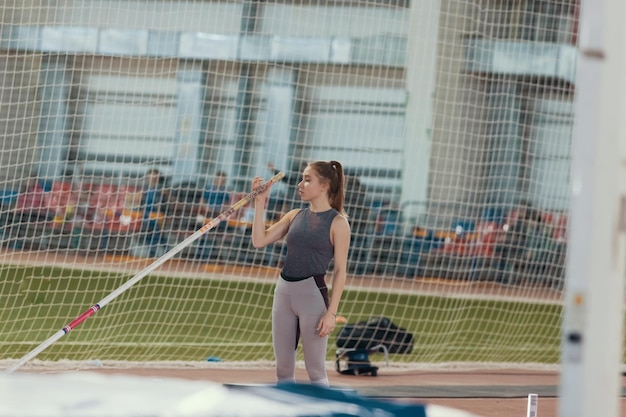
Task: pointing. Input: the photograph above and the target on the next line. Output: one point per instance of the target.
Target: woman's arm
(261, 236)
(340, 237)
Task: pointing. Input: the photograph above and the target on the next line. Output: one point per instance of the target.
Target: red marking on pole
(78, 320)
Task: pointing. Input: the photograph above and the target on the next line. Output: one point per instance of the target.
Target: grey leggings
(298, 308)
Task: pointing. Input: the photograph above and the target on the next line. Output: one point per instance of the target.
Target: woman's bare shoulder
(291, 214)
(341, 221)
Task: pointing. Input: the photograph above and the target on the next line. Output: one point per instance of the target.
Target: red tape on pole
(78, 320)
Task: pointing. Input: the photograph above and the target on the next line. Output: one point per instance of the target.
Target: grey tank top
(309, 250)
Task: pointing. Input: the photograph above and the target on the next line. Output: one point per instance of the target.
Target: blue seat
(8, 197)
(388, 222)
(463, 226)
(494, 214)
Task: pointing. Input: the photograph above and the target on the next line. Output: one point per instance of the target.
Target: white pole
(532, 405)
(143, 273)
(591, 353)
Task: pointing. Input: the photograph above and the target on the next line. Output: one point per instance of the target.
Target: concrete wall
(459, 121)
(457, 134)
(209, 17)
(19, 117)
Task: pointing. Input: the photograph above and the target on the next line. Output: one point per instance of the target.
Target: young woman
(315, 236)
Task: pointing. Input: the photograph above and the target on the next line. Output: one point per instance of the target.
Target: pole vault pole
(135, 279)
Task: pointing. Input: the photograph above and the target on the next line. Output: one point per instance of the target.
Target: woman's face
(311, 186)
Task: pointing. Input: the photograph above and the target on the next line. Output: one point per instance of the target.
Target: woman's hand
(326, 324)
(262, 197)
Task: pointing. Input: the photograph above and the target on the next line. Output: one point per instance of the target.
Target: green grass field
(189, 319)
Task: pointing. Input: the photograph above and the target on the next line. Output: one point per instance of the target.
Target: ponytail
(332, 172)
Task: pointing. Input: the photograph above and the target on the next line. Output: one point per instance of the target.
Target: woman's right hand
(262, 197)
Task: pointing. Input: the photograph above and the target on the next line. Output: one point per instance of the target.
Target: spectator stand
(183, 214)
(8, 199)
(452, 259)
(27, 220)
(530, 255)
(94, 217)
(189, 216)
(102, 216)
(556, 252)
(61, 200)
(230, 242)
(415, 250)
(384, 249)
(465, 251)
(544, 251)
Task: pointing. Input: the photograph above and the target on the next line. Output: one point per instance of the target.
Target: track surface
(487, 393)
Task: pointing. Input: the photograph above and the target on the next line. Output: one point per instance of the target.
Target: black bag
(367, 334)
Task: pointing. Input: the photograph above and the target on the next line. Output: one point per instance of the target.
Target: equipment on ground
(356, 342)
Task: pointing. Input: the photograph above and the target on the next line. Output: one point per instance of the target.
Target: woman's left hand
(326, 324)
